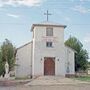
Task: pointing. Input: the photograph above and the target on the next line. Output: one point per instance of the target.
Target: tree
(81, 56)
(1, 64)
(7, 54)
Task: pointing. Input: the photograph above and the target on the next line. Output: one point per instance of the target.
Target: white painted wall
(23, 60)
(40, 50)
(70, 58)
(33, 54)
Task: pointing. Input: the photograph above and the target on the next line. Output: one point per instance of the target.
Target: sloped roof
(24, 45)
(47, 24)
(71, 49)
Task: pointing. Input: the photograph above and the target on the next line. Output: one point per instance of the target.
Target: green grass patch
(83, 78)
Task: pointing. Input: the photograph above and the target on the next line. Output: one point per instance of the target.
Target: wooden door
(49, 66)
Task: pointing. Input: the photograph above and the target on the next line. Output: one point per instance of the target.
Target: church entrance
(49, 66)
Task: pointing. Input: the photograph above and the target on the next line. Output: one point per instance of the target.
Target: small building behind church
(46, 54)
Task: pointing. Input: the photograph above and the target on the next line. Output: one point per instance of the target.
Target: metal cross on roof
(47, 14)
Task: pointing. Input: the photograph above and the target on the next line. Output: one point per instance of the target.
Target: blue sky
(17, 16)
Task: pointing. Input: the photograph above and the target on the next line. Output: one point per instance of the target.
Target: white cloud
(13, 15)
(20, 2)
(84, 0)
(87, 39)
(81, 9)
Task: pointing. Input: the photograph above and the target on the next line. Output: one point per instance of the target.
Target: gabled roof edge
(23, 45)
(71, 49)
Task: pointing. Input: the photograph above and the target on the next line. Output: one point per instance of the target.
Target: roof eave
(46, 25)
(24, 45)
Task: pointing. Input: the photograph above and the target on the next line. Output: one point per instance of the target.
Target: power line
(29, 23)
(12, 23)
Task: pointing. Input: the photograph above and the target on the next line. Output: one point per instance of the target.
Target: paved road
(59, 87)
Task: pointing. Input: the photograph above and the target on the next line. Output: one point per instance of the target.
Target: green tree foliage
(1, 64)
(81, 56)
(7, 54)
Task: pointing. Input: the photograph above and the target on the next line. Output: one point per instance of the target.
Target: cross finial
(47, 14)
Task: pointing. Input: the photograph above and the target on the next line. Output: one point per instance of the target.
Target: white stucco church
(46, 54)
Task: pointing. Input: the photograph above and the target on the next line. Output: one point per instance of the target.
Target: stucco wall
(40, 50)
(23, 60)
(30, 58)
(70, 62)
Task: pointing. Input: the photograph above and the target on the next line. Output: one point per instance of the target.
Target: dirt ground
(56, 87)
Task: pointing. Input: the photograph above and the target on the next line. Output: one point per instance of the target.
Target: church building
(46, 54)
